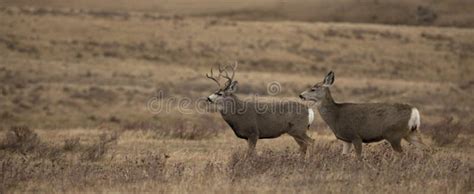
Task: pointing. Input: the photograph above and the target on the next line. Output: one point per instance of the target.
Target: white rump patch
(414, 122)
(310, 116)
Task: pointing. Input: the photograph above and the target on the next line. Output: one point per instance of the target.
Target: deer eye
(219, 93)
(312, 89)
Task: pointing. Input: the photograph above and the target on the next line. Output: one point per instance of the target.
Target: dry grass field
(76, 87)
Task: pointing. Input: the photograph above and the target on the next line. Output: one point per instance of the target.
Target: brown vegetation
(447, 131)
(408, 12)
(54, 88)
(273, 168)
(76, 79)
(21, 138)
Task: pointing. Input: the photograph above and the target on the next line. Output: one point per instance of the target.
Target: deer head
(320, 90)
(229, 87)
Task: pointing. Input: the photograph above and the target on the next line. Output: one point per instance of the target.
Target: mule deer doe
(253, 120)
(355, 124)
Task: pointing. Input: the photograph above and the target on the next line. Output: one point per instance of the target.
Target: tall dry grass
(323, 170)
(447, 131)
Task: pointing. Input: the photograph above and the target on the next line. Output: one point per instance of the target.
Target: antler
(216, 79)
(223, 69)
(226, 76)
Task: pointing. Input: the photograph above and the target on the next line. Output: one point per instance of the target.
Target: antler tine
(230, 78)
(213, 78)
(221, 68)
(234, 67)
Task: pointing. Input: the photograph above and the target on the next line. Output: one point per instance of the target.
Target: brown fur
(359, 123)
(253, 120)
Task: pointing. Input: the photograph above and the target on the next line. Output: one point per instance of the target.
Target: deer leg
(347, 148)
(252, 143)
(302, 143)
(308, 139)
(358, 147)
(414, 138)
(308, 142)
(396, 145)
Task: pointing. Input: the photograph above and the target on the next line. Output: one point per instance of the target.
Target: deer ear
(233, 86)
(329, 79)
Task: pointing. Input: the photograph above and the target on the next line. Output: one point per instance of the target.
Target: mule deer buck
(355, 124)
(253, 120)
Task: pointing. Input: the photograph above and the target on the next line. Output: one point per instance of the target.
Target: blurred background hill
(89, 63)
(407, 12)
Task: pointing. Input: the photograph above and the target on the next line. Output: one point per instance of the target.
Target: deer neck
(328, 109)
(231, 106)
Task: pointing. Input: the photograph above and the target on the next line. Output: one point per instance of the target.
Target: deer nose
(209, 99)
(301, 96)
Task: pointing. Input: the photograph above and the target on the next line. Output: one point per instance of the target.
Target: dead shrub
(241, 165)
(6, 115)
(145, 125)
(425, 15)
(98, 150)
(16, 169)
(71, 144)
(445, 132)
(192, 132)
(148, 166)
(202, 127)
(285, 168)
(21, 138)
(325, 163)
(212, 169)
(436, 37)
(185, 129)
(336, 33)
(94, 93)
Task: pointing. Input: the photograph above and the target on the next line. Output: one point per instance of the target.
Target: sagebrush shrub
(445, 132)
(98, 150)
(21, 138)
(71, 144)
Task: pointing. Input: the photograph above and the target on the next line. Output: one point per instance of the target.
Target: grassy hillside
(409, 12)
(63, 68)
(106, 98)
